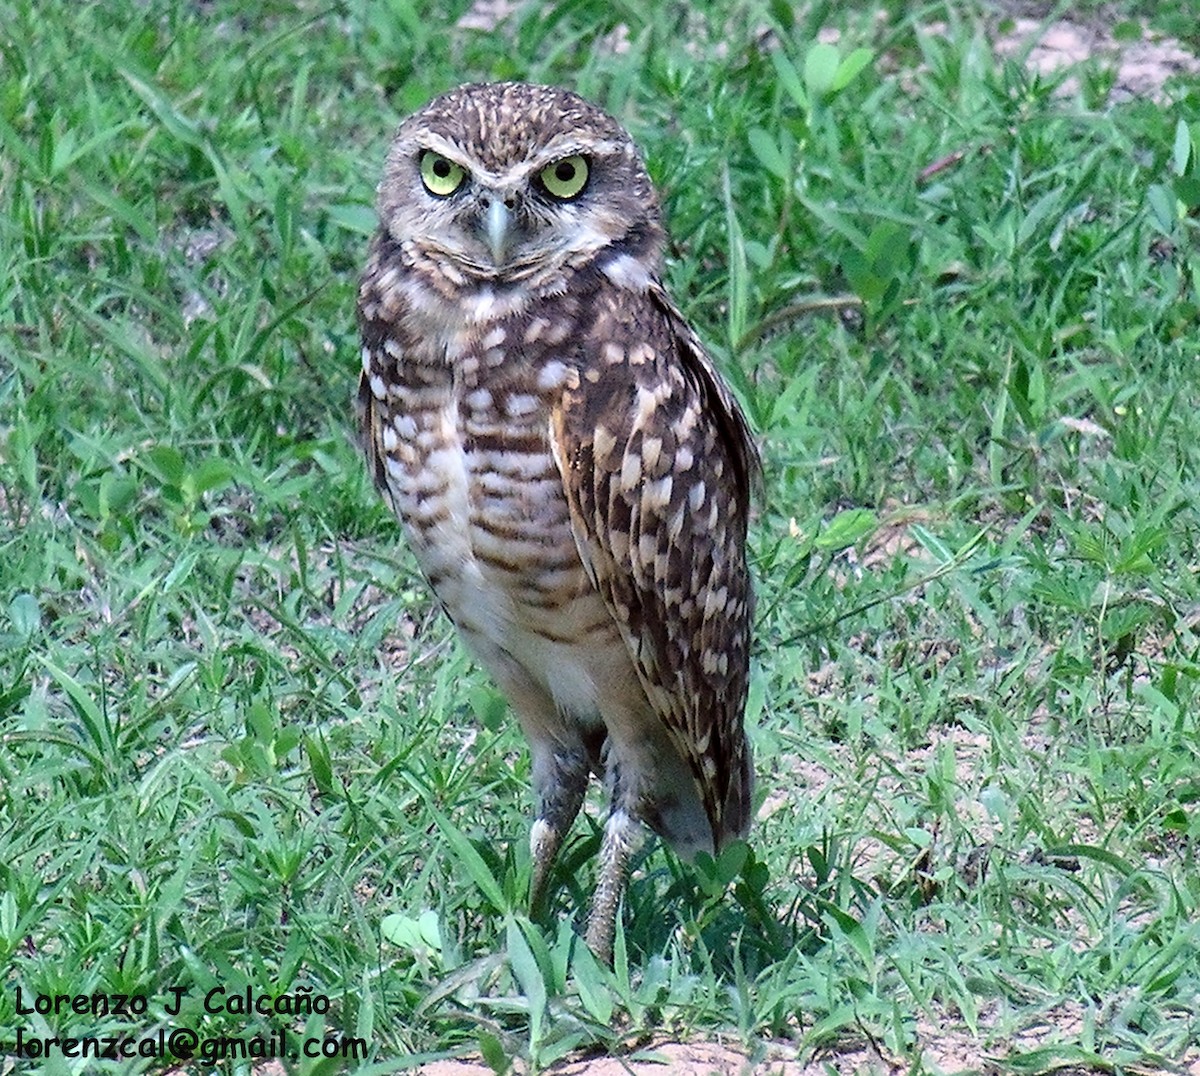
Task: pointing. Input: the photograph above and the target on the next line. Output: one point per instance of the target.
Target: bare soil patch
(1142, 67)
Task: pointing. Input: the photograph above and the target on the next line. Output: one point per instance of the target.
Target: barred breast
(462, 419)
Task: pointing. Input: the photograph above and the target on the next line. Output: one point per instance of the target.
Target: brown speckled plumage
(572, 473)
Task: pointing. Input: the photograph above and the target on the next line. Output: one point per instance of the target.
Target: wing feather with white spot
(378, 313)
(658, 465)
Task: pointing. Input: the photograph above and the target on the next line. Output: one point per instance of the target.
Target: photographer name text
(303, 1002)
(181, 1042)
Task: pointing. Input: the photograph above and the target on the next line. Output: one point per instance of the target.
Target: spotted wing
(378, 316)
(658, 464)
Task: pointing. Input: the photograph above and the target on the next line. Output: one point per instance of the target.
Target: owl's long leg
(622, 835)
(560, 778)
(563, 755)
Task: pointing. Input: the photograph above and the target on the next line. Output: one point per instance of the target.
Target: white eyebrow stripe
(558, 149)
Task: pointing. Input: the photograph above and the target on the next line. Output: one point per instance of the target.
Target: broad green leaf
(470, 859)
(852, 930)
(846, 528)
(407, 932)
(849, 69)
(1182, 149)
(593, 989)
(766, 149)
(1038, 212)
(820, 69)
(1163, 207)
(320, 763)
(82, 703)
(492, 1051)
(360, 219)
(25, 615)
(789, 78)
(530, 976)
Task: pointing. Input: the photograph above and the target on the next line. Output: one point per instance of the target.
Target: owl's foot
(622, 835)
(544, 843)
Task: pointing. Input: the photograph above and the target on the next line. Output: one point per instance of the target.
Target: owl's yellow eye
(565, 179)
(441, 176)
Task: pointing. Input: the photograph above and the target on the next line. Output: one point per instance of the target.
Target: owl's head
(506, 182)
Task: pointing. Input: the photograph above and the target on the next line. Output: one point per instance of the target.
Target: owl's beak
(498, 228)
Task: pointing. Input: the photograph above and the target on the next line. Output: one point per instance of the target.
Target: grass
(241, 749)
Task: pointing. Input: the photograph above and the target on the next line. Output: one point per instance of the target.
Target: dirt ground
(713, 1059)
(1142, 67)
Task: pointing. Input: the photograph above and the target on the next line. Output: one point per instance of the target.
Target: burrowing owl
(571, 471)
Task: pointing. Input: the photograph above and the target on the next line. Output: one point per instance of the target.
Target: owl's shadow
(723, 911)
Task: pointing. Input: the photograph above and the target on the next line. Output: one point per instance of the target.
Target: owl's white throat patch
(627, 272)
(443, 319)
